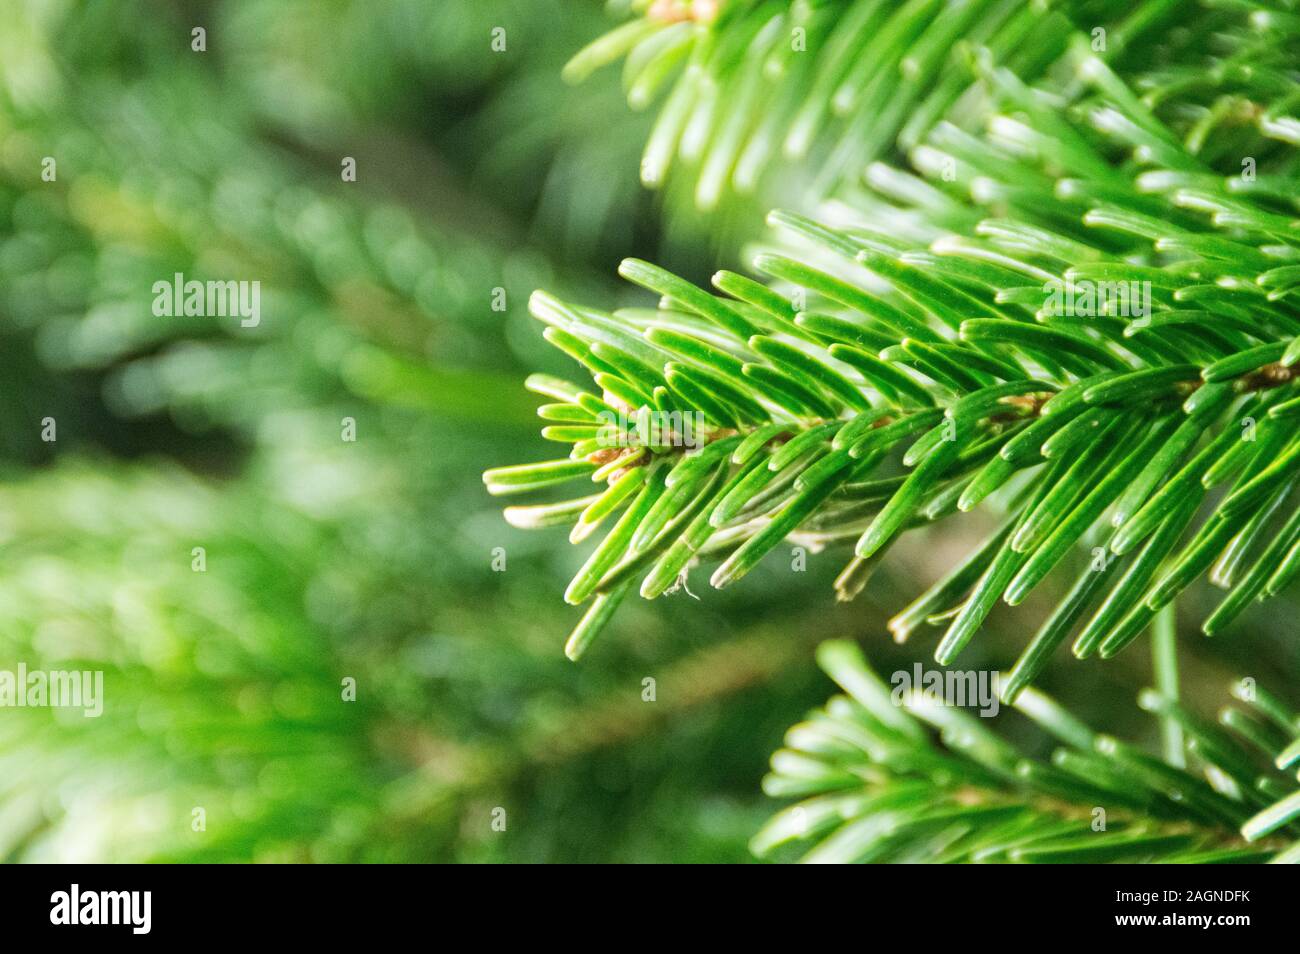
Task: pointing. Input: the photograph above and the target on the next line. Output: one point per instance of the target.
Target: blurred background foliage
(326, 558)
(372, 559)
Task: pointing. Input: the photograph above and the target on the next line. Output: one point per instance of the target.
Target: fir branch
(754, 92)
(876, 783)
(1098, 356)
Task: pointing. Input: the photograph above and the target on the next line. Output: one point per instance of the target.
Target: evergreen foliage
(324, 559)
(944, 328)
(1037, 259)
(981, 320)
(930, 783)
